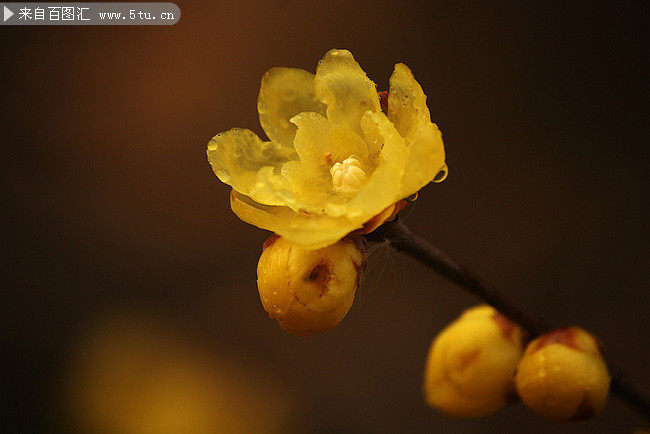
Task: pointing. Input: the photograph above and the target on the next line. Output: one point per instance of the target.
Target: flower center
(348, 176)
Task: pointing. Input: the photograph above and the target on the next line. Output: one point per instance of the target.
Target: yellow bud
(470, 368)
(562, 375)
(308, 291)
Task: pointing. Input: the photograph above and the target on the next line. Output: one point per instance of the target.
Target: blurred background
(129, 301)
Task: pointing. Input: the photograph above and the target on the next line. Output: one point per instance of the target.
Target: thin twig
(404, 240)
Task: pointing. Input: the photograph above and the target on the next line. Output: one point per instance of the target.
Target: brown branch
(404, 240)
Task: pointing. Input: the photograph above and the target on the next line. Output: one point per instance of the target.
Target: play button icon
(7, 13)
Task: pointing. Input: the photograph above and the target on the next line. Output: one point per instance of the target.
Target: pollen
(347, 177)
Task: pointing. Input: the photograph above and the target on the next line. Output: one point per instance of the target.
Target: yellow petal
(407, 109)
(307, 186)
(318, 141)
(384, 186)
(310, 231)
(265, 172)
(426, 158)
(242, 160)
(284, 93)
(346, 90)
(407, 103)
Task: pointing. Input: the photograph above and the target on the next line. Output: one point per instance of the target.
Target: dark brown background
(111, 210)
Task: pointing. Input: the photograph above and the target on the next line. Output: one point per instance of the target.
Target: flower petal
(407, 109)
(242, 160)
(384, 186)
(284, 93)
(407, 103)
(318, 141)
(307, 186)
(346, 90)
(426, 158)
(310, 231)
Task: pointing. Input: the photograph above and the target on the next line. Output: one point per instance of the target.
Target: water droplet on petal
(442, 174)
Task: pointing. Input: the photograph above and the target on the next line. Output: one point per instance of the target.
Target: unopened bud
(562, 375)
(471, 364)
(308, 291)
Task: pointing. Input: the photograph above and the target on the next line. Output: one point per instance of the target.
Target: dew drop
(442, 174)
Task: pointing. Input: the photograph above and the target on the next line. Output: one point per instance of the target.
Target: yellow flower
(334, 160)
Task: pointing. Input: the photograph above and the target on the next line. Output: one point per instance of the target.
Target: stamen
(347, 177)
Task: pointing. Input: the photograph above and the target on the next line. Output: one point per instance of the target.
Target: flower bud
(562, 375)
(471, 364)
(308, 291)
